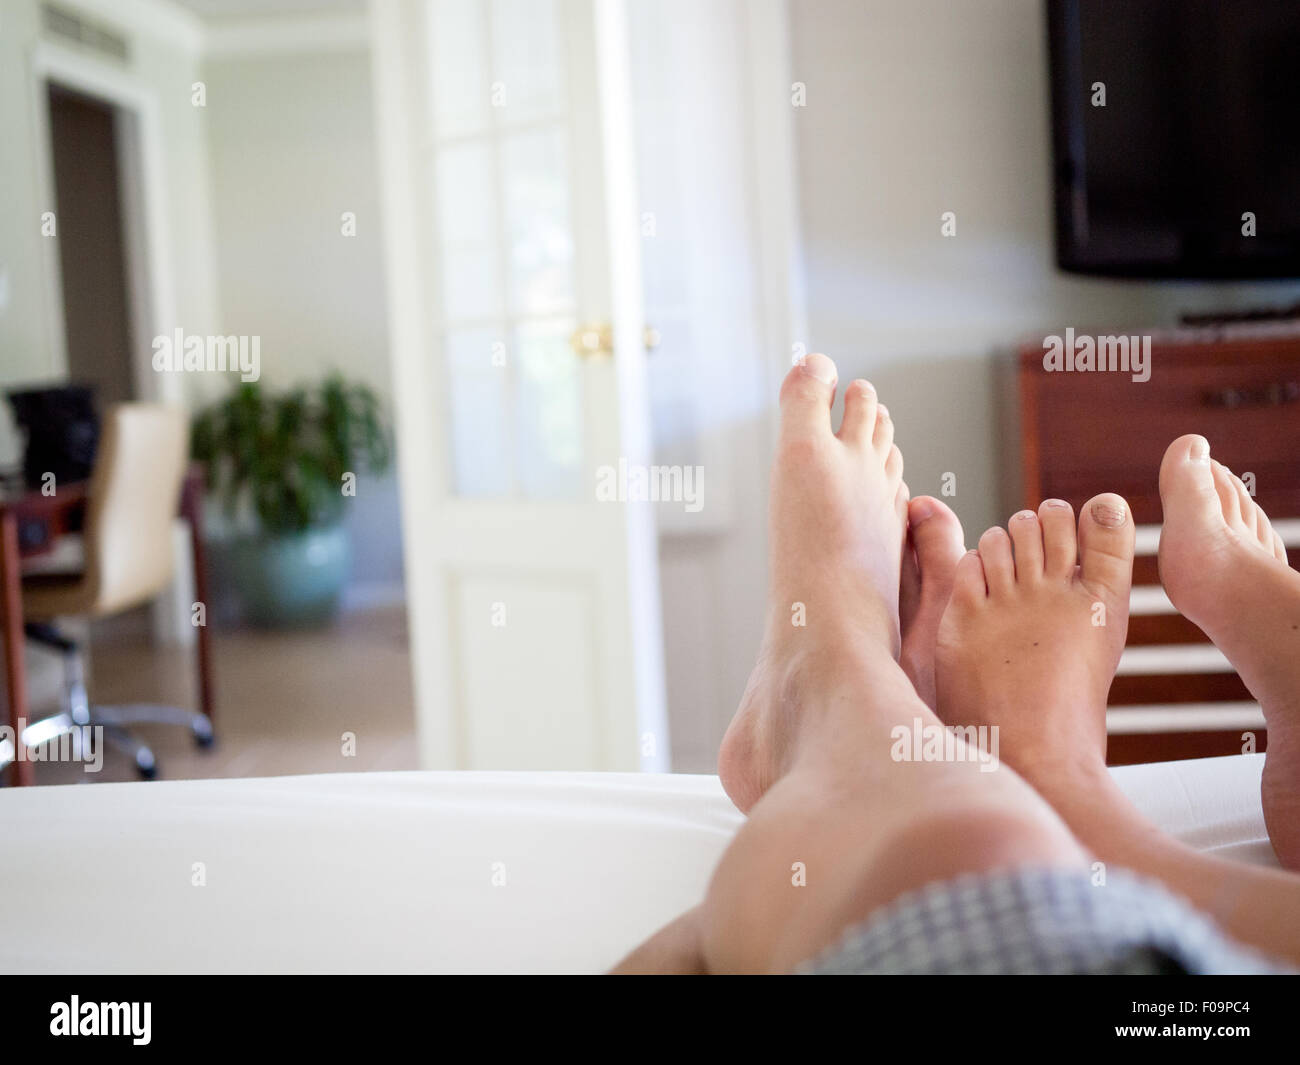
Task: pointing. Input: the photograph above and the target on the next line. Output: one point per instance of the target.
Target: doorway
(96, 296)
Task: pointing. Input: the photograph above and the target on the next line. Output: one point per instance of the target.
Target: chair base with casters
(127, 537)
(78, 714)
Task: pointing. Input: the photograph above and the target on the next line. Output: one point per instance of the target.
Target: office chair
(127, 538)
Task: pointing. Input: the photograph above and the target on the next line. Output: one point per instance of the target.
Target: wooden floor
(284, 701)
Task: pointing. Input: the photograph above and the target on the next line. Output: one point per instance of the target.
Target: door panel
(545, 628)
(534, 606)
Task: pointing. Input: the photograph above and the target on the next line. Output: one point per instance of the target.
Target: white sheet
(395, 871)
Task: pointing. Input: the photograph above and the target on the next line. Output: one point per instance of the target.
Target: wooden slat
(1146, 570)
(1171, 746)
(1176, 688)
(1146, 629)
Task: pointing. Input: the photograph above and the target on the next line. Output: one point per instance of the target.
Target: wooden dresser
(1074, 434)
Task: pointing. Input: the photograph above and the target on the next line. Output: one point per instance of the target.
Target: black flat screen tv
(1176, 137)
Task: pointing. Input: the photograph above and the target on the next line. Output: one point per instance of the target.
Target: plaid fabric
(1038, 921)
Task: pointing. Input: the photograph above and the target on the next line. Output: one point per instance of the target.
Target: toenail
(1200, 450)
(1055, 504)
(920, 510)
(884, 411)
(1021, 515)
(820, 367)
(1108, 514)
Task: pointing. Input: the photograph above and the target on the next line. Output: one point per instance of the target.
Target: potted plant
(283, 468)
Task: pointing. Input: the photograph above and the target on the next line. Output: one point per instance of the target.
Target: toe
(894, 462)
(995, 553)
(859, 413)
(968, 584)
(1060, 550)
(883, 436)
(1246, 506)
(1263, 528)
(1229, 504)
(1188, 489)
(1027, 538)
(1279, 548)
(937, 540)
(909, 591)
(806, 396)
(1106, 547)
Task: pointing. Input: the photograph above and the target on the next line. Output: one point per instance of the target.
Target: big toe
(929, 568)
(806, 396)
(937, 539)
(1106, 535)
(1187, 491)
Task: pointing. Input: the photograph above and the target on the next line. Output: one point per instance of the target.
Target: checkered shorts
(1038, 921)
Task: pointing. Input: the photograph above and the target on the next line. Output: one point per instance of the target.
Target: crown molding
(159, 19)
(167, 21)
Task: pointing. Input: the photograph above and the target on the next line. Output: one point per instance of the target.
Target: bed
(418, 871)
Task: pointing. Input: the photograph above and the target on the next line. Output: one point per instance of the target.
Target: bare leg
(1225, 568)
(838, 827)
(676, 948)
(1029, 643)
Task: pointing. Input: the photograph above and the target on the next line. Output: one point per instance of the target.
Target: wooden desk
(30, 525)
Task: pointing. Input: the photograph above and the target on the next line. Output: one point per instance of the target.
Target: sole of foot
(837, 522)
(1225, 568)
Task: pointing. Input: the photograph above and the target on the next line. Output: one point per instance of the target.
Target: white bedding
(395, 871)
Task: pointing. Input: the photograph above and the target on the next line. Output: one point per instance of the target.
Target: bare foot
(837, 522)
(1019, 648)
(934, 546)
(1224, 568)
(1030, 640)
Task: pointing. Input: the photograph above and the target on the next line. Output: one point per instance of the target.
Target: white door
(511, 225)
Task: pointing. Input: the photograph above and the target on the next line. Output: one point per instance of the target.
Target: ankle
(1101, 816)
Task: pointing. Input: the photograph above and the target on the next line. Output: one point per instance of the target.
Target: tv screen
(1176, 136)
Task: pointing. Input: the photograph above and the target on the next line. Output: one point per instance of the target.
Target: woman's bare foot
(935, 544)
(1224, 568)
(837, 524)
(1030, 639)
(1030, 644)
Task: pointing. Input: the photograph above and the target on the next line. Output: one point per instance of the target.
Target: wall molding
(160, 19)
(246, 35)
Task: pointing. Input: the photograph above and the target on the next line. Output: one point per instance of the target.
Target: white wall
(25, 349)
(292, 148)
(916, 107)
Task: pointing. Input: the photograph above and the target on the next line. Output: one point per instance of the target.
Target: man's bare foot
(837, 522)
(1224, 568)
(934, 546)
(1030, 640)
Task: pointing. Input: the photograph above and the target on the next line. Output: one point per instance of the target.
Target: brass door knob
(597, 338)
